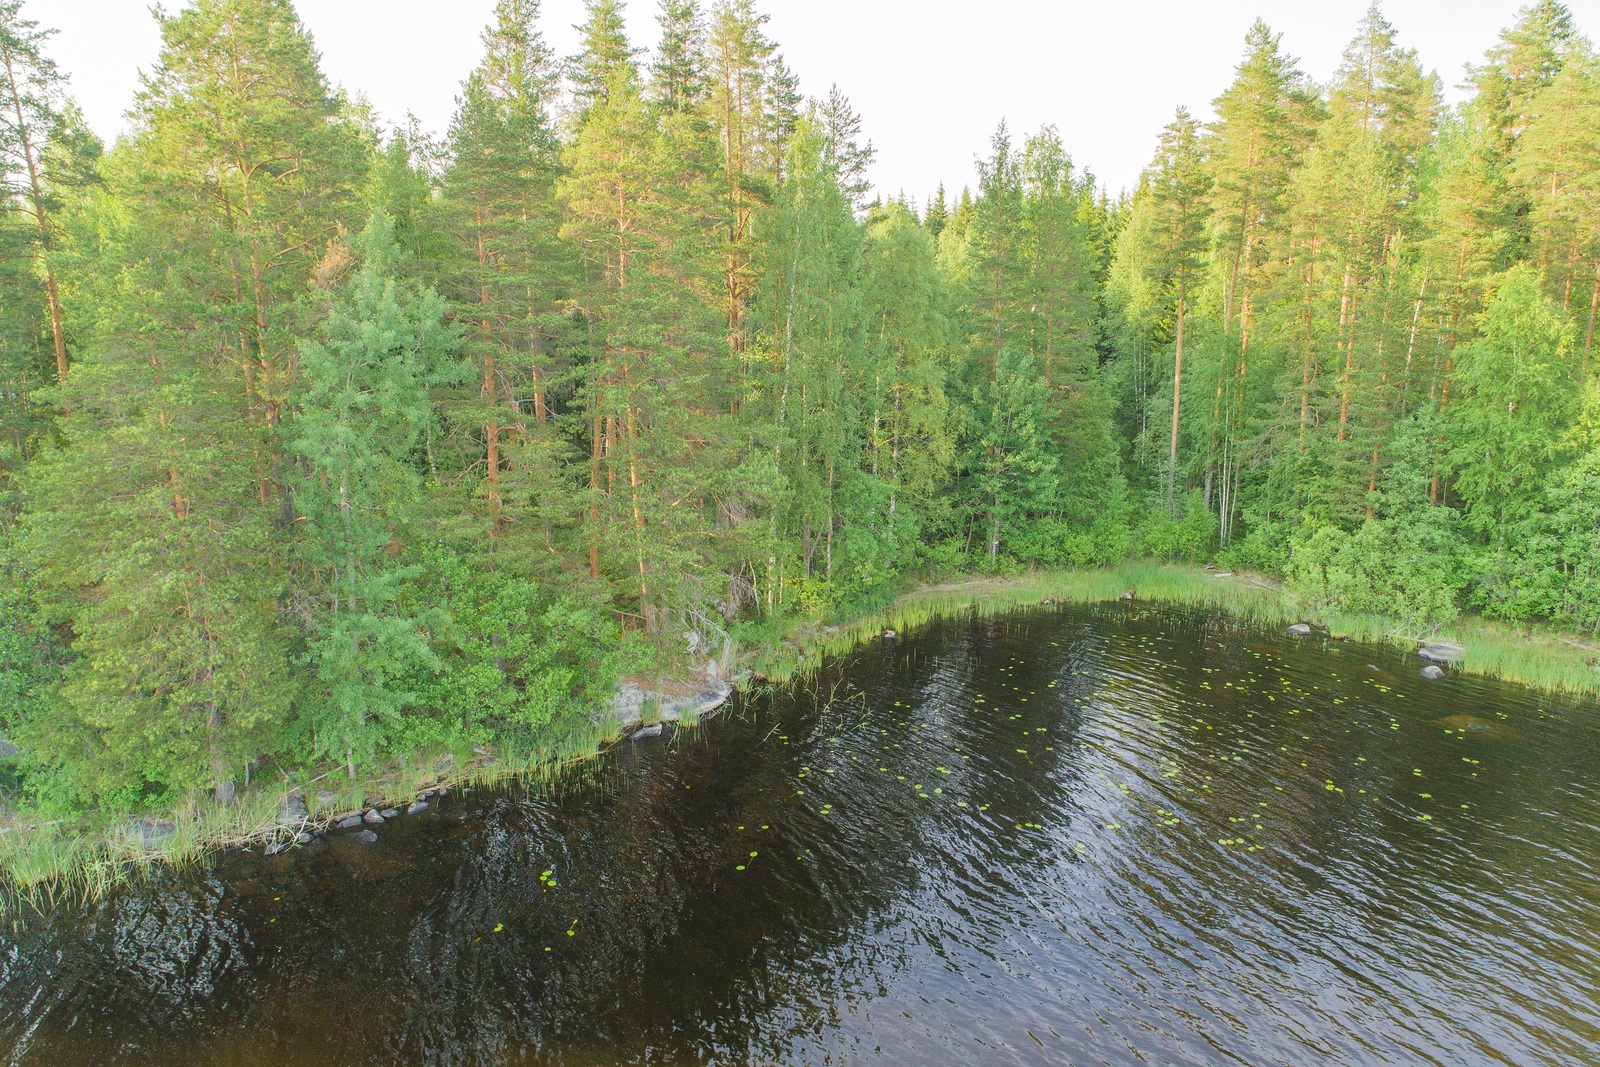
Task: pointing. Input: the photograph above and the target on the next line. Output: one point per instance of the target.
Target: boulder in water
(645, 733)
(1300, 629)
(1432, 672)
(1445, 652)
(388, 813)
(373, 817)
(349, 822)
(1479, 729)
(417, 806)
(302, 838)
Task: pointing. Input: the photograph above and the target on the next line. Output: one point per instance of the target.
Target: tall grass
(45, 863)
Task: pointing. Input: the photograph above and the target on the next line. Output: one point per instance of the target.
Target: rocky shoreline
(640, 710)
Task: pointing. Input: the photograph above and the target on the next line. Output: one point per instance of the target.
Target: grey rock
(292, 812)
(7, 749)
(1442, 652)
(148, 833)
(365, 837)
(889, 635)
(372, 817)
(275, 847)
(1432, 673)
(417, 806)
(326, 799)
(628, 706)
(388, 813)
(302, 838)
(349, 822)
(1300, 629)
(646, 733)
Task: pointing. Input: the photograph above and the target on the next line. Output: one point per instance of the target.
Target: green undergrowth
(45, 862)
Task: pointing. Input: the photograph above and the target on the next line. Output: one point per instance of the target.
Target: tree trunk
(1177, 397)
(36, 187)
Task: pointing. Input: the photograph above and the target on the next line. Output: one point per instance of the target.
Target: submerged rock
(1300, 629)
(365, 837)
(1442, 652)
(1432, 673)
(1480, 729)
(292, 811)
(148, 833)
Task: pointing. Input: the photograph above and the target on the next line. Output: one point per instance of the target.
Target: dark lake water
(1066, 836)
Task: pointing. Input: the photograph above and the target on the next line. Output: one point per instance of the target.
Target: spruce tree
(362, 409)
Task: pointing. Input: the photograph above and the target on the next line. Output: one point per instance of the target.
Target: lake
(1121, 834)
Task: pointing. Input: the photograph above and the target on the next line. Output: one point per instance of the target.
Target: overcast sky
(931, 78)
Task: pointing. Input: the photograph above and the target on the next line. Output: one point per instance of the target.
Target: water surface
(1086, 836)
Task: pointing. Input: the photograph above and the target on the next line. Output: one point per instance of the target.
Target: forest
(327, 441)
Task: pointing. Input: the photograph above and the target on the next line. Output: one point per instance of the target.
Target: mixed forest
(324, 441)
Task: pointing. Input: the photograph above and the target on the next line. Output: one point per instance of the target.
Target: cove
(1117, 833)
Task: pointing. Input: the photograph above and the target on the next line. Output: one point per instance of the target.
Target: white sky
(931, 78)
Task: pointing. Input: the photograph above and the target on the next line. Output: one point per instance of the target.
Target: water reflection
(1118, 835)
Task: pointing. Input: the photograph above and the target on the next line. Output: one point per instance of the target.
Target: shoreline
(42, 863)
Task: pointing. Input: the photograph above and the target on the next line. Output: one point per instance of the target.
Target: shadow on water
(1114, 834)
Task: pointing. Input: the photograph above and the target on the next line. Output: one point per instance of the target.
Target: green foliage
(668, 365)
(361, 410)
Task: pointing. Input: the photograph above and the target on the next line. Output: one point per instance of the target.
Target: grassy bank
(43, 862)
(1542, 658)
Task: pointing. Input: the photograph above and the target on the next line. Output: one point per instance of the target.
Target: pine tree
(1347, 299)
(1265, 120)
(738, 54)
(1163, 256)
(605, 50)
(30, 113)
(509, 276)
(651, 443)
(1557, 163)
(154, 528)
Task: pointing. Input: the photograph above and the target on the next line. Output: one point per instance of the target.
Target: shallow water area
(1121, 834)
